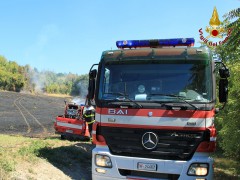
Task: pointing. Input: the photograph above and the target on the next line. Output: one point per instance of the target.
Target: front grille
(172, 145)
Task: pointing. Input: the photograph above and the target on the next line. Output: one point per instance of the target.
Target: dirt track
(28, 115)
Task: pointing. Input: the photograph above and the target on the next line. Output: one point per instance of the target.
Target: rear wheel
(63, 137)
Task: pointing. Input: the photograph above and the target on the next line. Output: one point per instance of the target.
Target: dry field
(33, 151)
(28, 115)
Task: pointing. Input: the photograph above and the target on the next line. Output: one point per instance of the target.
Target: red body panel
(76, 127)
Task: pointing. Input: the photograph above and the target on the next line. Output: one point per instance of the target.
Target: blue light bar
(155, 43)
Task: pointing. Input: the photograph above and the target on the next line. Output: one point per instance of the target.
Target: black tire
(63, 137)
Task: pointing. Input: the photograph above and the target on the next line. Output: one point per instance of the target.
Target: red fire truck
(72, 124)
(155, 108)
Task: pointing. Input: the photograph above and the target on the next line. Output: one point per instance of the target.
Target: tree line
(227, 120)
(14, 77)
(11, 75)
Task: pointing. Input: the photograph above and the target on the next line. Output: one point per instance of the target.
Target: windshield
(191, 81)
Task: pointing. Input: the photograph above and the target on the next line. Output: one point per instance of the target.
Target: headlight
(198, 169)
(103, 161)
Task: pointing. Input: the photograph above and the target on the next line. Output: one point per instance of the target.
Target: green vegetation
(11, 75)
(16, 151)
(227, 120)
(14, 77)
(234, 40)
(31, 151)
(225, 168)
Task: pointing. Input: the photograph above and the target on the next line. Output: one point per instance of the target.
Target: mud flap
(86, 134)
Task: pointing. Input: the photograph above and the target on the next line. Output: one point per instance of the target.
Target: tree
(228, 119)
(234, 39)
(16, 78)
(11, 75)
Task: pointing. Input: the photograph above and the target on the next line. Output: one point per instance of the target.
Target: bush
(229, 117)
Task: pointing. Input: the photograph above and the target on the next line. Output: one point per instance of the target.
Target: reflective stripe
(91, 115)
(157, 121)
(69, 125)
(91, 122)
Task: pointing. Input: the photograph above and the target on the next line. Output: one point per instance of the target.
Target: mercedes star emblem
(149, 140)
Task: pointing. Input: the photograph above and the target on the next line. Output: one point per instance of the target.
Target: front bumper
(166, 169)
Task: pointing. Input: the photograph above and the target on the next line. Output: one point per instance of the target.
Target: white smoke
(83, 88)
(78, 100)
(39, 81)
(36, 81)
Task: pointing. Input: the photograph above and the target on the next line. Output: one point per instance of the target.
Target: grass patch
(18, 150)
(7, 165)
(66, 156)
(31, 150)
(226, 168)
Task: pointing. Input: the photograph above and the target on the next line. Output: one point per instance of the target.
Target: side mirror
(93, 74)
(92, 83)
(223, 90)
(224, 72)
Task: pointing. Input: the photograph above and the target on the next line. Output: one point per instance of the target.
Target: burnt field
(29, 115)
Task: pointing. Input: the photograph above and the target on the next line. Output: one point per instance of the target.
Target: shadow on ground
(74, 160)
(218, 175)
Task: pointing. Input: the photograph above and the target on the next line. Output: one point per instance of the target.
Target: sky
(68, 36)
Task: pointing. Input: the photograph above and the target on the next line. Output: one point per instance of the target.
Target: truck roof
(169, 53)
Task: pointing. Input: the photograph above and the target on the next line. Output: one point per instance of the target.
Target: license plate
(69, 131)
(147, 166)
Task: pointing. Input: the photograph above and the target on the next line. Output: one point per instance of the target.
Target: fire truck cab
(155, 107)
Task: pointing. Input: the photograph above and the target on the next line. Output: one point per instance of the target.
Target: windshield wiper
(176, 96)
(125, 97)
